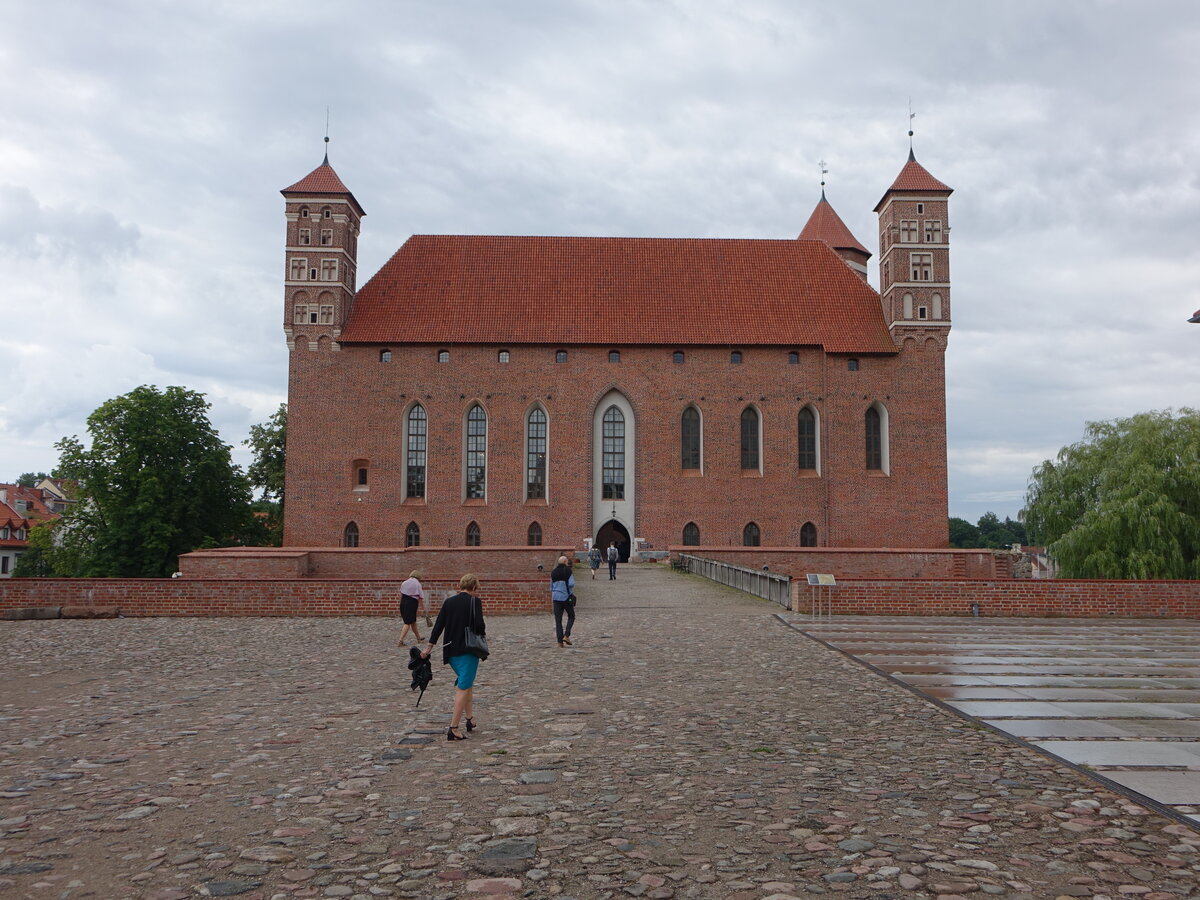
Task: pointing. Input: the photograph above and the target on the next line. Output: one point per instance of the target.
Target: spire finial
(911, 115)
(824, 172)
(326, 136)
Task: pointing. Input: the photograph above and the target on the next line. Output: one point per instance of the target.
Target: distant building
(512, 390)
(20, 509)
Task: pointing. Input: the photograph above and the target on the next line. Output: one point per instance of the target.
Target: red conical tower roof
(826, 225)
(322, 180)
(914, 179)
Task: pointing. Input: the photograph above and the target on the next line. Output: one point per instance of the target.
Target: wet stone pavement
(689, 745)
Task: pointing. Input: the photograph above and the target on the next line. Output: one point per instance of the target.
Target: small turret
(826, 225)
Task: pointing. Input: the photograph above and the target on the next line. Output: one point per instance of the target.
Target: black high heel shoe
(470, 725)
(451, 736)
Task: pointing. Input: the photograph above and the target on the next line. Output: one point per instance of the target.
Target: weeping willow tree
(1125, 501)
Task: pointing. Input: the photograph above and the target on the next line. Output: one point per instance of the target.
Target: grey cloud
(85, 234)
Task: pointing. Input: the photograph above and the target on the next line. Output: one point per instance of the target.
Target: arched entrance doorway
(613, 532)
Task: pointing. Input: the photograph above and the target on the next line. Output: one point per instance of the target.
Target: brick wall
(368, 563)
(259, 597)
(862, 563)
(1059, 597)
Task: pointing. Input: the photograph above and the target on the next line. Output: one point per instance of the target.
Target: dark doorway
(613, 532)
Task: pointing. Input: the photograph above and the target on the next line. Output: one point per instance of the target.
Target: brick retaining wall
(259, 597)
(1038, 597)
(863, 563)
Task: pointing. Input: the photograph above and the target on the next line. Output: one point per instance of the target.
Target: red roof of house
(650, 291)
(914, 179)
(826, 225)
(322, 180)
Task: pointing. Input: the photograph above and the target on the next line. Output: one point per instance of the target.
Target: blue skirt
(465, 667)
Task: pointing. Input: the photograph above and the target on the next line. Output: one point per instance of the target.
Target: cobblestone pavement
(688, 746)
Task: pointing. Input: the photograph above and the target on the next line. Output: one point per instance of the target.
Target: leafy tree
(963, 533)
(39, 558)
(155, 482)
(269, 443)
(1125, 501)
(30, 479)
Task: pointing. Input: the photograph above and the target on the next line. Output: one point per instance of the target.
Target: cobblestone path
(689, 745)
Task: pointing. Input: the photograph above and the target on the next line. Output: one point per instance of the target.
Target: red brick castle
(505, 390)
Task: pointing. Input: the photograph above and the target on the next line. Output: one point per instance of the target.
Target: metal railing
(767, 585)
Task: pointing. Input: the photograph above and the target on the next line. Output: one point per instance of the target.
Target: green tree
(1125, 501)
(30, 479)
(266, 473)
(963, 533)
(39, 558)
(156, 482)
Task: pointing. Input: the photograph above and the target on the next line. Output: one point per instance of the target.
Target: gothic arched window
(534, 538)
(350, 536)
(614, 454)
(689, 438)
(474, 539)
(412, 535)
(414, 452)
(691, 535)
(476, 457)
(808, 535)
(874, 435)
(751, 536)
(536, 438)
(807, 435)
(749, 438)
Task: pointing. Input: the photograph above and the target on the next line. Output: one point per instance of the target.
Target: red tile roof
(826, 225)
(914, 179)
(651, 291)
(322, 180)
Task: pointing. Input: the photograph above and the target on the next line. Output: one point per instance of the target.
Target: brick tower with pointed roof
(826, 225)
(321, 261)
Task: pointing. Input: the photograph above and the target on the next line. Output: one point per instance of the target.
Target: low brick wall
(1040, 597)
(370, 562)
(854, 562)
(261, 597)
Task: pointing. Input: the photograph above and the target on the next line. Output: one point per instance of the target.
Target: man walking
(612, 561)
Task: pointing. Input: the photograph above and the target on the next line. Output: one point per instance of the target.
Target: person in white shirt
(411, 595)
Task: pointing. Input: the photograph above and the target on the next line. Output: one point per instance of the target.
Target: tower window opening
(326, 213)
(305, 237)
(326, 237)
(852, 365)
(922, 312)
(921, 265)
(908, 231)
(326, 315)
(304, 212)
(920, 208)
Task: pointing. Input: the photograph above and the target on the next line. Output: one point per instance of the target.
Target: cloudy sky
(142, 152)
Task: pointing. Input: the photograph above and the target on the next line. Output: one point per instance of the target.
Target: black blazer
(452, 621)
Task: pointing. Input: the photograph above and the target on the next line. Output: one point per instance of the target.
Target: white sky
(143, 145)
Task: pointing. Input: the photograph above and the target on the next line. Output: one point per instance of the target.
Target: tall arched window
(350, 536)
(414, 453)
(535, 535)
(473, 537)
(476, 457)
(535, 454)
(614, 454)
(808, 535)
(874, 433)
(751, 537)
(689, 438)
(749, 438)
(807, 428)
(691, 535)
(412, 535)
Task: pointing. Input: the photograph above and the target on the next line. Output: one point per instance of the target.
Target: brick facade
(844, 563)
(349, 403)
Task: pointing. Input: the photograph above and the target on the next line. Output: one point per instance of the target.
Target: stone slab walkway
(689, 745)
(1118, 696)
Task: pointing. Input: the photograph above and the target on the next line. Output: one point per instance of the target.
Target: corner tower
(321, 261)
(826, 225)
(914, 255)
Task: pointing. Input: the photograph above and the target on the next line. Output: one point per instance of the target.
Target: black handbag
(475, 642)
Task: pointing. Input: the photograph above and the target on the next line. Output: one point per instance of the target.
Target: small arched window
(385, 355)
(304, 212)
(350, 536)
(793, 358)
(751, 536)
(326, 213)
(749, 438)
(503, 356)
(691, 535)
(443, 356)
(560, 356)
(677, 357)
(412, 535)
(473, 536)
(808, 535)
(689, 438)
(735, 357)
(614, 356)
(535, 535)
(852, 365)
